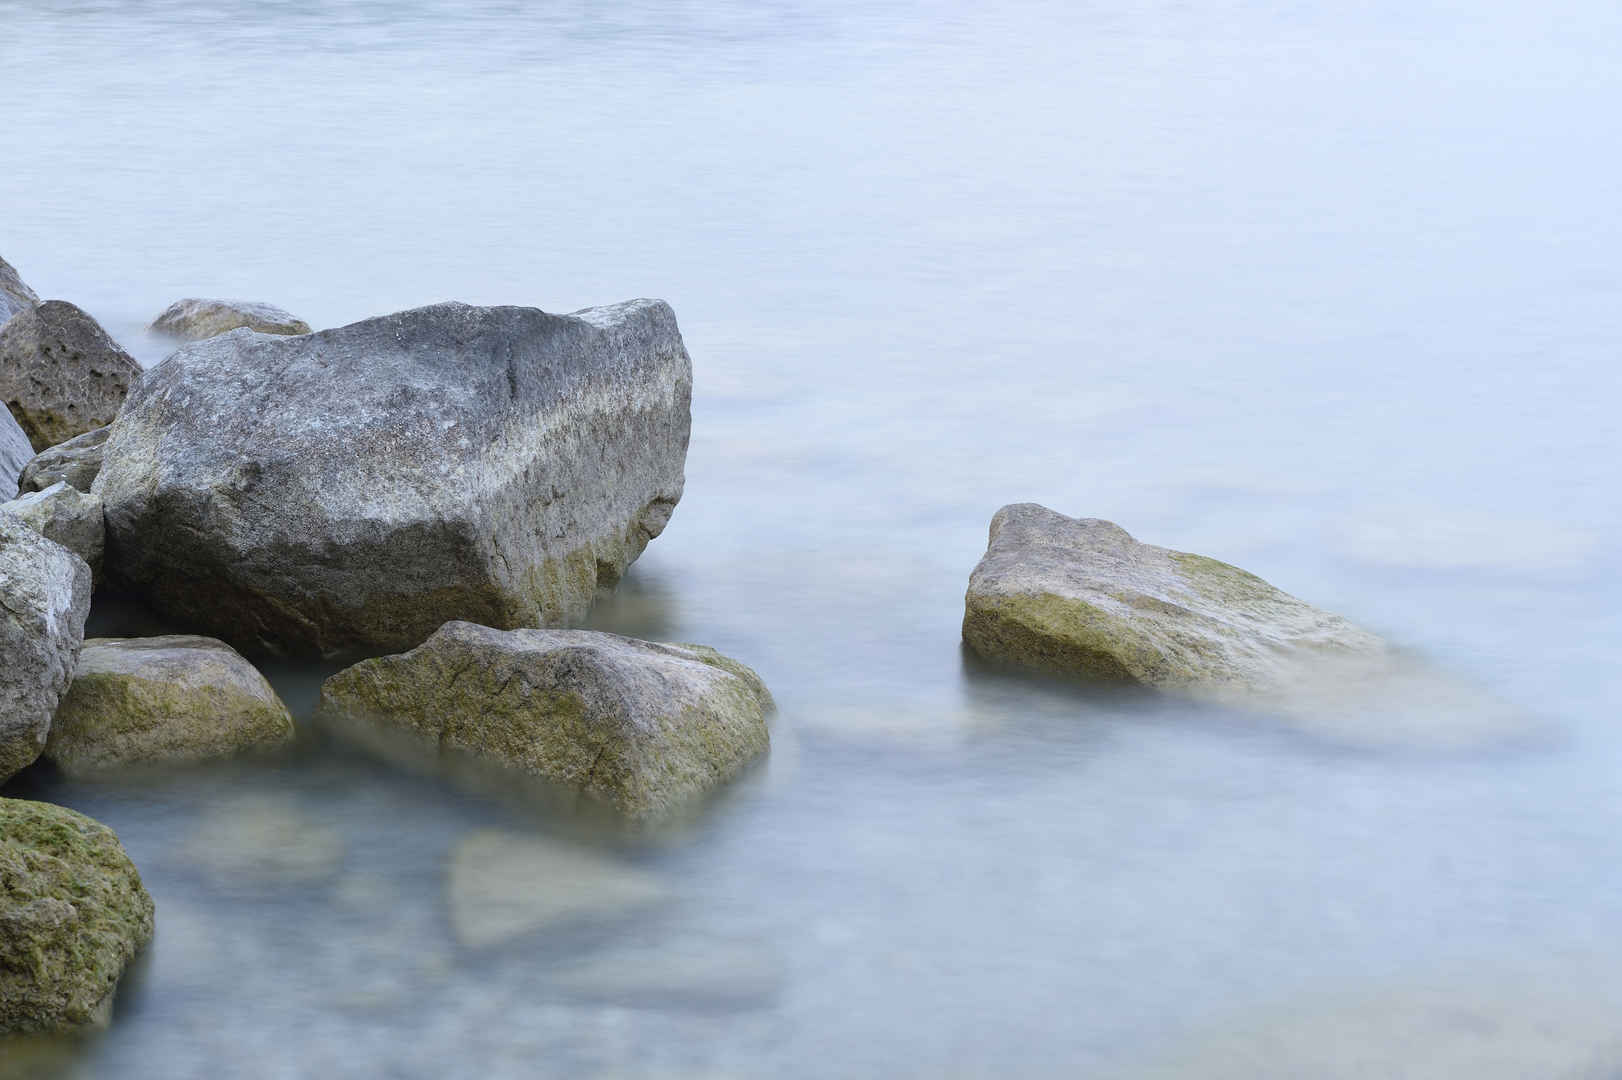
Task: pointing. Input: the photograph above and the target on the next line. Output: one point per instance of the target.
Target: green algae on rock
(73, 913)
(169, 699)
(641, 726)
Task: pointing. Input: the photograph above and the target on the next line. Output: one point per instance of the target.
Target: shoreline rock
(60, 374)
(162, 700)
(197, 319)
(66, 515)
(77, 461)
(47, 599)
(15, 454)
(350, 490)
(15, 295)
(73, 913)
(641, 726)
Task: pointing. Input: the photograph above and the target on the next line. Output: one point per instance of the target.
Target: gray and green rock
(194, 319)
(350, 490)
(44, 600)
(163, 700)
(641, 726)
(66, 515)
(77, 462)
(60, 374)
(73, 913)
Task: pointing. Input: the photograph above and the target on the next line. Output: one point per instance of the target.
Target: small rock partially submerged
(66, 515)
(77, 461)
(639, 725)
(15, 295)
(504, 885)
(60, 374)
(194, 320)
(172, 699)
(350, 490)
(250, 842)
(73, 913)
(1080, 597)
(15, 453)
(45, 591)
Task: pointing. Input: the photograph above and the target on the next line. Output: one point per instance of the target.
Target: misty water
(1329, 292)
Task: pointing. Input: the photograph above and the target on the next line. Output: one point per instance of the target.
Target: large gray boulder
(60, 374)
(66, 515)
(15, 295)
(73, 913)
(44, 599)
(1080, 597)
(163, 700)
(15, 453)
(639, 725)
(352, 489)
(194, 320)
(77, 461)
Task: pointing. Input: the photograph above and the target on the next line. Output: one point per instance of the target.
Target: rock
(15, 453)
(44, 599)
(66, 515)
(60, 374)
(350, 490)
(77, 461)
(73, 913)
(154, 700)
(641, 726)
(15, 295)
(195, 320)
(1080, 597)
(257, 841)
(504, 885)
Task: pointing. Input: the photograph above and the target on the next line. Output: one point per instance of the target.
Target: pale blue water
(1330, 294)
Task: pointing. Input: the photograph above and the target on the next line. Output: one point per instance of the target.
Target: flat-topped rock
(66, 515)
(15, 295)
(77, 461)
(641, 726)
(73, 913)
(352, 489)
(194, 319)
(46, 592)
(163, 700)
(60, 374)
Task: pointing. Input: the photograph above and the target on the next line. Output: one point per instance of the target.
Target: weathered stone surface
(354, 488)
(165, 699)
(1081, 596)
(15, 453)
(73, 913)
(60, 374)
(503, 885)
(66, 515)
(44, 599)
(641, 726)
(195, 320)
(77, 461)
(15, 295)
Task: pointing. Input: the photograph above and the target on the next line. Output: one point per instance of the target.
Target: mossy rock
(73, 913)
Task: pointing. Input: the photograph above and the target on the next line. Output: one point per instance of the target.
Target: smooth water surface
(1329, 292)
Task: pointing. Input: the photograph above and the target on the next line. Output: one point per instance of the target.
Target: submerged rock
(60, 374)
(195, 320)
(641, 726)
(66, 515)
(503, 885)
(77, 462)
(1081, 597)
(352, 489)
(73, 913)
(163, 700)
(15, 295)
(15, 453)
(250, 842)
(46, 597)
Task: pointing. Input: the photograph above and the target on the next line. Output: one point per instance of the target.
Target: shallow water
(1327, 294)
